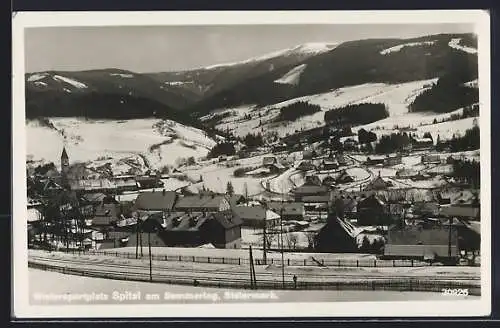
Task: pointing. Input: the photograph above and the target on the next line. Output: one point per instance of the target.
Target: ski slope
(293, 76)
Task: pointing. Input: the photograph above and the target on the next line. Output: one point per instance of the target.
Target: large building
(426, 244)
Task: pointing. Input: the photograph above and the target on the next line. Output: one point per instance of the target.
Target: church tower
(64, 161)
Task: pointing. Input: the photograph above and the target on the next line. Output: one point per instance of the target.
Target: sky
(174, 48)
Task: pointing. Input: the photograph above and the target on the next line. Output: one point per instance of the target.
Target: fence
(387, 284)
(365, 263)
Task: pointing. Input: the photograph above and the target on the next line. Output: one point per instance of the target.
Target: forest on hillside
(447, 95)
(357, 114)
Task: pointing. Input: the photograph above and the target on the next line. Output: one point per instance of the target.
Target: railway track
(238, 273)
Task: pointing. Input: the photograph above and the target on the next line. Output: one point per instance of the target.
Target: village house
(342, 159)
(397, 210)
(98, 198)
(269, 160)
(406, 173)
(422, 143)
(125, 183)
(350, 143)
(202, 203)
(178, 229)
(306, 166)
(256, 216)
(272, 164)
(95, 185)
(425, 209)
(308, 154)
(149, 231)
(462, 211)
(184, 230)
(333, 238)
(106, 215)
(236, 200)
(373, 211)
(431, 159)
(312, 180)
(345, 177)
(52, 188)
(344, 206)
(309, 190)
(393, 160)
(289, 210)
(378, 184)
(328, 165)
(328, 181)
(436, 243)
(148, 182)
(316, 203)
(375, 160)
(223, 230)
(156, 201)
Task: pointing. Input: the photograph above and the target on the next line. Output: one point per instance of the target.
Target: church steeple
(64, 154)
(64, 161)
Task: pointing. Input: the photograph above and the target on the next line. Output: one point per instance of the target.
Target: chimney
(163, 192)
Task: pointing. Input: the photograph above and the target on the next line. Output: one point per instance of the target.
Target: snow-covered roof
(422, 140)
(34, 215)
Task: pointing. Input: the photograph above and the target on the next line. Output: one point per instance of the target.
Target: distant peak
(309, 48)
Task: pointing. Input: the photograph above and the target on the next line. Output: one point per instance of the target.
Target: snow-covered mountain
(211, 79)
(305, 50)
(349, 64)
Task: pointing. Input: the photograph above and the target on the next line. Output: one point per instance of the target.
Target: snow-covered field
(67, 80)
(401, 46)
(87, 140)
(455, 44)
(396, 97)
(293, 76)
(216, 176)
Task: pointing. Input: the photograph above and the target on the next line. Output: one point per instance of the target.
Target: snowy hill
(395, 96)
(157, 142)
(43, 89)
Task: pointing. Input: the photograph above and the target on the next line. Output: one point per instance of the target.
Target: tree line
(296, 110)
(357, 114)
(447, 95)
(469, 141)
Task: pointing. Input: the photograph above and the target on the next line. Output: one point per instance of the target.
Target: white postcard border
(21, 306)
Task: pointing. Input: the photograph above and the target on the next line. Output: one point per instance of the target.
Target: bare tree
(292, 239)
(269, 239)
(310, 239)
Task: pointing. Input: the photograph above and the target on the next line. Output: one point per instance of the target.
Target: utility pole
(253, 280)
(264, 257)
(137, 238)
(150, 258)
(282, 254)
(140, 238)
(449, 236)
